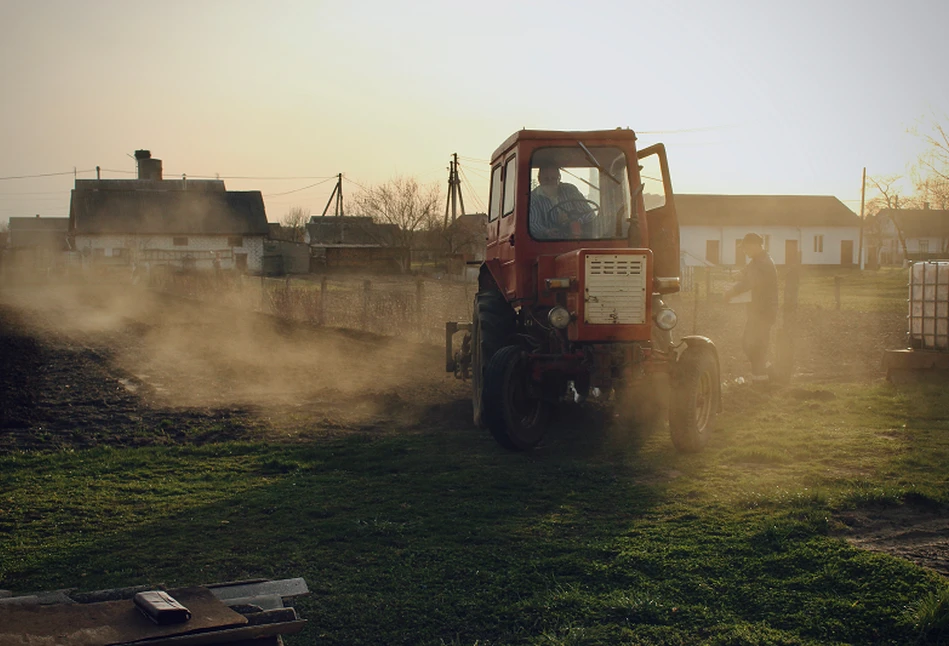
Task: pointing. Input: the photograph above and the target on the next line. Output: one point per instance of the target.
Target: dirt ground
(82, 366)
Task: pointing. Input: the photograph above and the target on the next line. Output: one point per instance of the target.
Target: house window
(510, 177)
(235, 241)
(179, 241)
(923, 246)
(819, 244)
(120, 252)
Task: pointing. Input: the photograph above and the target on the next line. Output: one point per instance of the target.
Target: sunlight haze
(755, 98)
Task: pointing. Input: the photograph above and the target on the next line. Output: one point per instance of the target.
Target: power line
(471, 190)
(71, 172)
(297, 190)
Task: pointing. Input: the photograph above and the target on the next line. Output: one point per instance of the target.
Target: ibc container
(929, 305)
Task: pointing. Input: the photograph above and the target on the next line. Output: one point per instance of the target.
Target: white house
(924, 232)
(152, 221)
(810, 229)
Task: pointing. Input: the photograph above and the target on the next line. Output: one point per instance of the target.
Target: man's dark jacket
(760, 276)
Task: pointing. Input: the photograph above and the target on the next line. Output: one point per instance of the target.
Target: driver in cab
(558, 209)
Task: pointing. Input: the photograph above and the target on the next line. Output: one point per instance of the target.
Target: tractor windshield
(579, 193)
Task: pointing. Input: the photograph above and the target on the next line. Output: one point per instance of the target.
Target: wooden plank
(109, 622)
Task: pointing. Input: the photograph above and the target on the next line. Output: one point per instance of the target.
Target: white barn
(812, 230)
(151, 221)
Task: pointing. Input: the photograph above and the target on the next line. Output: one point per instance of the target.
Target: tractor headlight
(666, 319)
(559, 317)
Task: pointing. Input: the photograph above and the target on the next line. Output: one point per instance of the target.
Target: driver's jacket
(548, 223)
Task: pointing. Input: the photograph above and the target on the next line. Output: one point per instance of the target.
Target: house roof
(919, 223)
(186, 212)
(39, 232)
(763, 210)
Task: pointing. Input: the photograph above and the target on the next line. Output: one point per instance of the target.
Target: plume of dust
(194, 355)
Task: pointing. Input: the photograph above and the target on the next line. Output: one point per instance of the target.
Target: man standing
(760, 278)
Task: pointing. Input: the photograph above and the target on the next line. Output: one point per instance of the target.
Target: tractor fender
(697, 343)
(489, 277)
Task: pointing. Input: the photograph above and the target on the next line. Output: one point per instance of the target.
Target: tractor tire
(494, 323)
(693, 400)
(516, 419)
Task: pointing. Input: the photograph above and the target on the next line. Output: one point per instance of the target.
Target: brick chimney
(148, 168)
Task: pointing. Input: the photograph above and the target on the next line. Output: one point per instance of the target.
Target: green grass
(444, 538)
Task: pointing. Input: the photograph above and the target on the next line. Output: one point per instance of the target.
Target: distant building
(192, 224)
(49, 234)
(351, 230)
(910, 234)
(809, 229)
(39, 243)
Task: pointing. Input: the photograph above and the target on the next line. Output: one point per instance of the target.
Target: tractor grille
(615, 289)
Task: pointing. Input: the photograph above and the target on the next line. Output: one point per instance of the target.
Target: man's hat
(752, 238)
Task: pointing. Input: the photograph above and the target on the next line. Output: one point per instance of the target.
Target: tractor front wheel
(515, 415)
(694, 399)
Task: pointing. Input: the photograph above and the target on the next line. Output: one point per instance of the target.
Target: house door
(740, 257)
(240, 261)
(712, 253)
(791, 254)
(846, 252)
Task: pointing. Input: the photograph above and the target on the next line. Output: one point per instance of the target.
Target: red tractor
(582, 243)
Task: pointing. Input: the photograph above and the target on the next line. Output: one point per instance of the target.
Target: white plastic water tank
(929, 305)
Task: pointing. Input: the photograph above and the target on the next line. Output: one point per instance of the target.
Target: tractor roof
(564, 135)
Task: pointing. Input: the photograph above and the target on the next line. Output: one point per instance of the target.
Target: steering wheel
(571, 213)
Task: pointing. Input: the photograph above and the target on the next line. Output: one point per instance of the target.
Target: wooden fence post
(419, 300)
(366, 293)
(321, 312)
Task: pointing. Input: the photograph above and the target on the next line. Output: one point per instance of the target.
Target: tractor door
(661, 218)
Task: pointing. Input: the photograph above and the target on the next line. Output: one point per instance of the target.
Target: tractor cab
(553, 192)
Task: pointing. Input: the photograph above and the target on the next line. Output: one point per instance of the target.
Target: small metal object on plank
(161, 608)
(246, 592)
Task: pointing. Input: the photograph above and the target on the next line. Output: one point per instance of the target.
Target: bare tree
(402, 202)
(934, 163)
(294, 223)
(889, 196)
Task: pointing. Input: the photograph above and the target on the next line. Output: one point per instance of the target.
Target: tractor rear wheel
(494, 322)
(516, 417)
(694, 400)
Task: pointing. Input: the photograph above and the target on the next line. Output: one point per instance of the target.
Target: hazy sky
(772, 97)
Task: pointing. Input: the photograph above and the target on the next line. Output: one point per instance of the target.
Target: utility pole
(863, 194)
(454, 191)
(338, 194)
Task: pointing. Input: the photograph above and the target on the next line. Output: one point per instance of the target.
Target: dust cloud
(180, 353)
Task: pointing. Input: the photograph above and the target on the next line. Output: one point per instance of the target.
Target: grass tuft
(930, 617)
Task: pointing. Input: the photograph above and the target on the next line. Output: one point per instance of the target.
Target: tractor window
(495, 209)
(510, 177)
(579, 193)
(654, 190)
